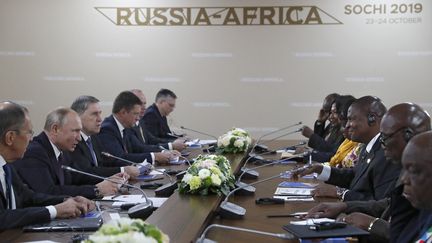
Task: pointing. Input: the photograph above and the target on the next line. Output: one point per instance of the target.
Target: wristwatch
(340, 192)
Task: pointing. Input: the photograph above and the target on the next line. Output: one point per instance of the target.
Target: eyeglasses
(384, 138)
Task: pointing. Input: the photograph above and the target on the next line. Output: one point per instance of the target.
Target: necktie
(8, 180)
(124, 140)
(92, 152)
(60, 174)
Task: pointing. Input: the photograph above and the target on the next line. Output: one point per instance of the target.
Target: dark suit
(156, 125)
(321, 129)
(128, 147)
(397, 208)
(147, 138)
(326, 147)
(367, 181)
(39, 169)
(29, 206)
(82, 160)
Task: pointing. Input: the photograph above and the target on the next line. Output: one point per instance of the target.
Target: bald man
(20, 206)
(417, 182)
(40, 168)
(399, 124)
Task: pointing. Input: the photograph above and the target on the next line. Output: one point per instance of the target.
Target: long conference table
(184, 217)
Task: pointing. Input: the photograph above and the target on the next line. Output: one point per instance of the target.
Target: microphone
(233, 211)
(253, 174)
(202, 239)
(264, 148)
(163, 191)
(142, 210)
(248, 189)
(202, 133)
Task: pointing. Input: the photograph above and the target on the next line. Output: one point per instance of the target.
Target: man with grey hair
(41, 168)
(146, 136)
(20, 206)
(87, 155)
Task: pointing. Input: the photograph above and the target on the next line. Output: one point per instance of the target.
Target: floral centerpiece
(234, 141)
(209, 174)
(128, 230)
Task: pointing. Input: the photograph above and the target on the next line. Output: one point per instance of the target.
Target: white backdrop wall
(259, 77)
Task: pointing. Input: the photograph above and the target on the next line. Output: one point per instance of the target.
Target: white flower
(239, 143)
(187, 178)
(204, 173)
(215, 180)
(248, 140)
(226, 140)
(130, 237)
(208, 163)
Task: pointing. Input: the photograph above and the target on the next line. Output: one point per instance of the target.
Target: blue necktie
(60, 172)
(8, 180)
(92, 152)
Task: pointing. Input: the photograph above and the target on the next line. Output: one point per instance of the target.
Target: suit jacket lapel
(44, 141)
(366, 162)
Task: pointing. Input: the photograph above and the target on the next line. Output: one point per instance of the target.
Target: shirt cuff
(153, 158)
(325, 173)
(170, 146)
(122, 169)
(52, 211)
(343, 194)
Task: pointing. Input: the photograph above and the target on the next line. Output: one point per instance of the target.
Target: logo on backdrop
(218, 16)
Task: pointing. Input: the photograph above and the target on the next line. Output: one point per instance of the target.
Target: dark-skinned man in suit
(372, 176)
(398, 125)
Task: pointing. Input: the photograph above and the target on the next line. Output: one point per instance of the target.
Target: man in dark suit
(373, 175)
(417, 181)
(155, 117)
(118, 139)
(87, 155)
(374, 215)
(147, 137)
(40, 168)
(20, 206)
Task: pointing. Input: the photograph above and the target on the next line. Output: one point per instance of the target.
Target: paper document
(291, 191)
(157, 201)
(312, 221)
(295, 198)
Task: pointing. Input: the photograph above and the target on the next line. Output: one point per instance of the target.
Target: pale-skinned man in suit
(20, 206)
(118, 139)
(41, 169)
(146, 136)
(87, 155)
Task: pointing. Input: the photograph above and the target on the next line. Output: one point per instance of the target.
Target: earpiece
(371, 118)
(408, 134)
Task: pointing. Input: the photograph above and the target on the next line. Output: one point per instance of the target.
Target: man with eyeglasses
(155, 117)
(118, 139)
(20, 206)
(372, 176)
(398, 126)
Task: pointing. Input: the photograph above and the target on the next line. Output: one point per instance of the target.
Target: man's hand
(133, 171)
(326, 210)
(307, 131)
(179, 144)
(109, 188)
(359, 220)
(69, 209)
(325, 191)
(87, 204)
(306, 170)
(163, 158)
